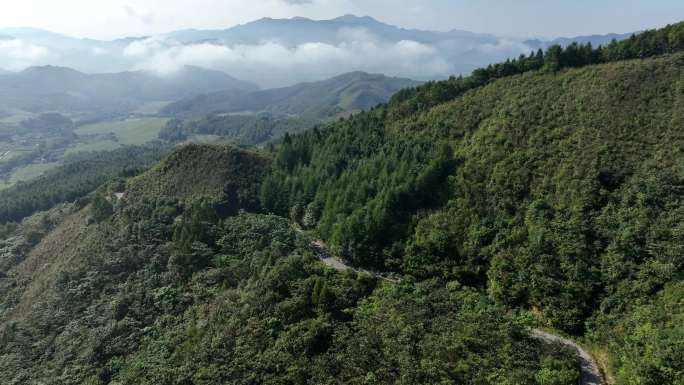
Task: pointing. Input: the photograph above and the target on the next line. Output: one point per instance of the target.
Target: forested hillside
(355, 91)
(545, 191)
(155, 282)
(258, 117)
(554, 188)
(243, 130)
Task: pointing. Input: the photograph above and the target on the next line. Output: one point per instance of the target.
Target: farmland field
(27, 173)
(129, 131)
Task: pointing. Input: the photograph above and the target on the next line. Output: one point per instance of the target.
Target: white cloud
(98, 51)
(271, 64)
(505, 46)
(16, 54)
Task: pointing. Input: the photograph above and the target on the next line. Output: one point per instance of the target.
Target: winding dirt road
(589, 371)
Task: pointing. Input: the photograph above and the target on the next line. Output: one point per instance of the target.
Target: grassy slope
(56, 254)
(199, 171)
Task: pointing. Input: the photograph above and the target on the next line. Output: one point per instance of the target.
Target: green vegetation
(37, 143)
(133, 131)
(79, 176)
(550, 185)
(569, 207)
(232, 182)
(240, 129)
(354, 91)
(242, 300)
(96, 146)
(27, 173)
(110, 135)
(646, 342)
(151, 108)
(260, 117)
(646, 44)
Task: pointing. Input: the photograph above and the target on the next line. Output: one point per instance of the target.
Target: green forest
(543, 192)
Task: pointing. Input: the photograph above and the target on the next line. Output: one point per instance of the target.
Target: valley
(34, 142)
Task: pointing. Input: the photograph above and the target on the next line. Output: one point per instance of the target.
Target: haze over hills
(252, 118)
(276, 52)
(49, 88)
(355, 91)
(595, 40)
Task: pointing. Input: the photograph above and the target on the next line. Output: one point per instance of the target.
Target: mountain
(350, 92)
(139, 277)
(552, 183)
(543, 192)
(307, 50)
(253, 118)
(595, 40)
(300, 30)
(58, 88)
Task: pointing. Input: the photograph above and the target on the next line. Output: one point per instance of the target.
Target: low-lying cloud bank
(17, 54)
(272, 64)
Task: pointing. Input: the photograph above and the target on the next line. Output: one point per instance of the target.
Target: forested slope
(156, 285)
(545, 190)
(557, 189)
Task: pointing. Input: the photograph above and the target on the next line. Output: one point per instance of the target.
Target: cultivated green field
(26, 173)
(102, 145)
(207, 139)
(151, 108)
(16, 117)
(129, 131)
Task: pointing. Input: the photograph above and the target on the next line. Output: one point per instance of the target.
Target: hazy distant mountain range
(51, 88)
(353, 91)
(196, 91)
(595, 40)
(277, 52)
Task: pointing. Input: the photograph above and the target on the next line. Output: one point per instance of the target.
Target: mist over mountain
(354, 91)
(277, 52)
(595, 40)
(64, 89)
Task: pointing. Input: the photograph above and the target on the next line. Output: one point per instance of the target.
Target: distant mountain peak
(349, 18)
(50, 69)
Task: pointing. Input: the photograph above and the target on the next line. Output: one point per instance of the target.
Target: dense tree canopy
(545, 190)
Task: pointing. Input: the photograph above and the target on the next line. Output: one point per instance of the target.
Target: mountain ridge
(320, 99)
(34, 88)
(428, 55)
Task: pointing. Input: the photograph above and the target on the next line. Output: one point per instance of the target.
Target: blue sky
(549, 18)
